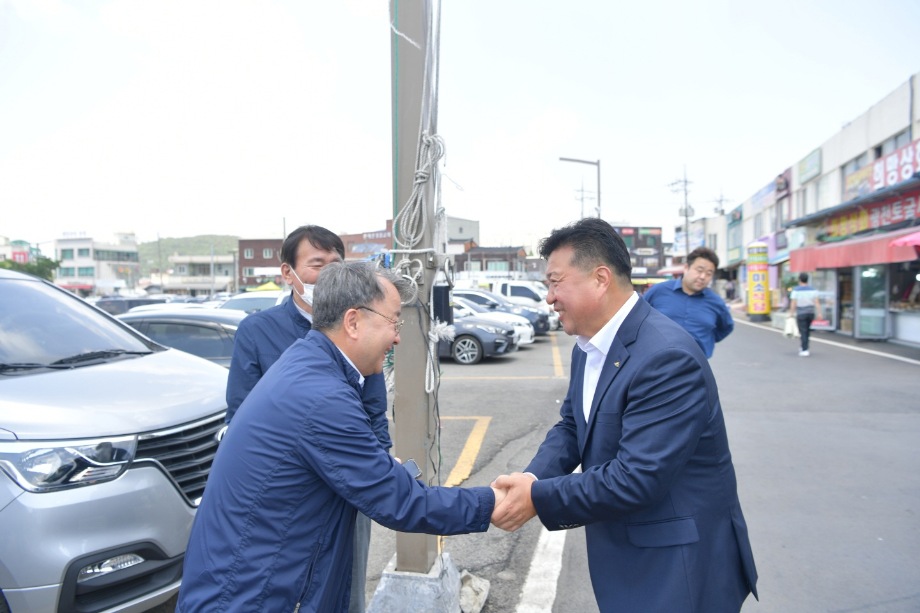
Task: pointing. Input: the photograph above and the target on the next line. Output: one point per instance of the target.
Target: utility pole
(598, 165)
(413, 75)
(677, 186)
(720, 209)
(419, 577)
(581, 198)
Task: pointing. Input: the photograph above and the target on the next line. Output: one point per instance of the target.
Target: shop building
(854, 221)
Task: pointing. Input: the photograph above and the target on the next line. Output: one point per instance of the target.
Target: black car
(476, 338)
(497, 302)
(202, 331)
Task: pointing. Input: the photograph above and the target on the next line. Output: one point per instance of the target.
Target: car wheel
(466, 350)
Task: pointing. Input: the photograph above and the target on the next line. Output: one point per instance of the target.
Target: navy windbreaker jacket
(275, 528)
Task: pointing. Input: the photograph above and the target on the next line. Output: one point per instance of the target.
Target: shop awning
(912, 240)
(671, 270)
(862, 251)
(73, 286)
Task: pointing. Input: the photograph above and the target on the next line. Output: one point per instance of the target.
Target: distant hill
(155, 254)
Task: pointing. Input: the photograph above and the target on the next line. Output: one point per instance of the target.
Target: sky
(174, 118)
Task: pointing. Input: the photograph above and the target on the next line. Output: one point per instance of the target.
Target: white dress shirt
(597, 348)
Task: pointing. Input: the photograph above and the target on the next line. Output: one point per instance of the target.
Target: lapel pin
(617, 364)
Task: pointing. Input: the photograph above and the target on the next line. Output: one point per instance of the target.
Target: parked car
(106, 442)
(476, 338)
(116, 305)
(250, 302)
(523, 331)
(207, 333)
(495, 302)
(531, 293)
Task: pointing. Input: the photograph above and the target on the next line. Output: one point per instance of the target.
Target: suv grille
(185, 453)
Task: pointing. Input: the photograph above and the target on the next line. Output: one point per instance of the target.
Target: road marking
(464, 466)
(833, 344)
(539, 592)
(557, 359)
(534, 377)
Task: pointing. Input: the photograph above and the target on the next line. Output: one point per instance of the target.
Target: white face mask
(307, 294)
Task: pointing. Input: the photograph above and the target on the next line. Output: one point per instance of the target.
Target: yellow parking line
(557, 359)
(464, 466)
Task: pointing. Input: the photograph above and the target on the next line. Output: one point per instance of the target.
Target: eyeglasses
(703, 272)
(397, 323)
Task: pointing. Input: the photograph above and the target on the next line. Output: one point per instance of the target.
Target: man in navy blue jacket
(263, 336)
(656, 492)
(274, 529)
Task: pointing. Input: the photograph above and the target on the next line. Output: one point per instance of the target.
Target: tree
(42, 267)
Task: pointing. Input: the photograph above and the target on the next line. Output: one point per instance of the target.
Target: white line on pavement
(539, 591)
(844, 346)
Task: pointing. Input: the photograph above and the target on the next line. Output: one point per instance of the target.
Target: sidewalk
(739, 312)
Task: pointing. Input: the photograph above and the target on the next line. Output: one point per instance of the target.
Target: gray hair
(347, 285)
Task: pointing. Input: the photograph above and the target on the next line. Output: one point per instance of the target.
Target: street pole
(597, 164)
(686, 218)
(681, 184)
(411, 84)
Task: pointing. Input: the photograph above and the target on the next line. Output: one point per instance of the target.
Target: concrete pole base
(435, 592)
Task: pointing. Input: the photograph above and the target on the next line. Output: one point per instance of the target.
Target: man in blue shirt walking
(691, 303)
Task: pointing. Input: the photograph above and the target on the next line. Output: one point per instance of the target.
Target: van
(531, 293)
(106, 443)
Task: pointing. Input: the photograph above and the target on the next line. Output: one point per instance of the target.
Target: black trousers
(804, 322)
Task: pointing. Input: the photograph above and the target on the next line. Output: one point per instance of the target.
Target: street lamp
(598, 165)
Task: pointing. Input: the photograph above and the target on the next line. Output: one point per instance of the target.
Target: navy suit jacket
(657, 492)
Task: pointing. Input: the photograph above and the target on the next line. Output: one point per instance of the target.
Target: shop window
(247, 254)
(905, 287)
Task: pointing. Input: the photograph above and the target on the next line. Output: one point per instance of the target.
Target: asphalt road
(825, 448)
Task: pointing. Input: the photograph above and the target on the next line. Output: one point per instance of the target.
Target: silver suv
(106, 441)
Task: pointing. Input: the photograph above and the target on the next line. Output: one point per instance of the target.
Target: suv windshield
(42, 326)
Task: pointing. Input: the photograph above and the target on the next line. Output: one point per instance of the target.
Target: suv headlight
(44, 466)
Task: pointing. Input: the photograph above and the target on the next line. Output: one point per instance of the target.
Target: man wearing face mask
(263, 336)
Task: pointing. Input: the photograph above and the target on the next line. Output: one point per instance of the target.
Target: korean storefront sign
(896, 167)
(888, 212)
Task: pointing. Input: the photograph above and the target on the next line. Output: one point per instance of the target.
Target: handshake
(513, 505)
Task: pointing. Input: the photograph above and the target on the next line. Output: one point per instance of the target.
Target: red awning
(72, 286)
(864, 251)
(912, 240)
(677, 269)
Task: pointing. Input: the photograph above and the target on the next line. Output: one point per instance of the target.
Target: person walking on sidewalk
(804, 305)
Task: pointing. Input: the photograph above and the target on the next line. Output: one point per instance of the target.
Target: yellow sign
(758, 281)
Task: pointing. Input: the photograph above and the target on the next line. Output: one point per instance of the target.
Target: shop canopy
(677, 269)
(912, 240)
(862, 251)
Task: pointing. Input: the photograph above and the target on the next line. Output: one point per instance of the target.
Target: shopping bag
(792, 328)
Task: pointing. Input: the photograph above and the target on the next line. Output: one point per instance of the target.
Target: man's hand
(499, 496)
(517, 507)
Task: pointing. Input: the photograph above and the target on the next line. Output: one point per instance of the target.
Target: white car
(523, 330)
(256, 300)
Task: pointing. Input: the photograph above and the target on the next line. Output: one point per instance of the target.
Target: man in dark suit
(657, 492)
